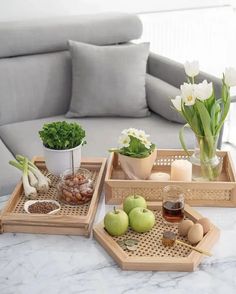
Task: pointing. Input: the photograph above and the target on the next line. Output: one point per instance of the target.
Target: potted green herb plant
(62, 143)
(137, 154)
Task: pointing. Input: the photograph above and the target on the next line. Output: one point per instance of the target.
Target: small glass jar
(75, 188)
(173, 204)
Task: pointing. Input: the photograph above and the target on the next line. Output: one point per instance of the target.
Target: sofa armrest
(159, 95)
(173, 72)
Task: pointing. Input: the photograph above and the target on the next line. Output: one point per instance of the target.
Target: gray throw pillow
(108, 80)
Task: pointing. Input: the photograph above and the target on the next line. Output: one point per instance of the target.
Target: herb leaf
(62, 135)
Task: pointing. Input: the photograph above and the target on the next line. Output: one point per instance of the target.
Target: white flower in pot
(62, 143)
(137, 154)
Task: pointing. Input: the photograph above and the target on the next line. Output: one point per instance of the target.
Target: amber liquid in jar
(173, 212)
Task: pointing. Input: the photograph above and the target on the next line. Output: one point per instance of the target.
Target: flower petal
(230, 76)
(191, 68)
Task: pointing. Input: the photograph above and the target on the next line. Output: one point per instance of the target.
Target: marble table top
(35, 264)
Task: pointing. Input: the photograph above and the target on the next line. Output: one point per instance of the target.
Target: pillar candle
(181, 170)
(159, 177)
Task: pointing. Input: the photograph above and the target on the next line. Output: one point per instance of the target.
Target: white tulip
(230, 76)
(188, 94)
(203, 90)
(124, 141)
(191, 68)
(177, 102)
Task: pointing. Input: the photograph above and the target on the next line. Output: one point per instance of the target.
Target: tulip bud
(191, 68)
(230, 76)
(203, 90)
(188, 93)
(177, 102)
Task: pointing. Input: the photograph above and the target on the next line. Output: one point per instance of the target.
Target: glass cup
(75, 187)
(173, 204)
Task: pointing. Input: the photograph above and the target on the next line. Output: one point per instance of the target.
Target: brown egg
(195, 234)
(206, 224)
(184, 227)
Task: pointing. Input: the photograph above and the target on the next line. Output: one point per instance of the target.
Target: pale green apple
(141, 219)
(116, 222)
(133, 201)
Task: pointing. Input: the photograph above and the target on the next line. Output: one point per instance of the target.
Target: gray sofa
(35, 86)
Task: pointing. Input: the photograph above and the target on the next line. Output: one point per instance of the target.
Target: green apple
(133, 201)
(141, 219)
(116, 222)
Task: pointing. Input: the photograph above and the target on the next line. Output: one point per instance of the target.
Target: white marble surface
(38, 264)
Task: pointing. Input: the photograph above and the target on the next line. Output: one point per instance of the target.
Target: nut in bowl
(42, 206)
(75, 188)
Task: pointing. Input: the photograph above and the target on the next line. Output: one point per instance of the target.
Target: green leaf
(62, 135)
(136, 149)
(205, 118)
(225, 112)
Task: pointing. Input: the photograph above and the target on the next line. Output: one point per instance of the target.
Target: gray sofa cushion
(159, 95)
(108, 80)
(48, 35)
(102, 133)
(8, 175)
(34, 86)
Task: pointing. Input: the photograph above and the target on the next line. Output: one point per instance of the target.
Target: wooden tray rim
(9, 217)
(112, 158)
(189, 262)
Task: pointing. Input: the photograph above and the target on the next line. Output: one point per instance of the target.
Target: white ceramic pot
(138, 168)
(57, 161)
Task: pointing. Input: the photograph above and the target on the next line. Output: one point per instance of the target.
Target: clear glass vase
(207, 166)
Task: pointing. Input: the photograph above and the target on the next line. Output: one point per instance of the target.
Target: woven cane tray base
(81, 210)
(218, 193)
(75, 220)
(150, 253)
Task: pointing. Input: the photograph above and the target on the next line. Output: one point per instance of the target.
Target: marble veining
(35, 264)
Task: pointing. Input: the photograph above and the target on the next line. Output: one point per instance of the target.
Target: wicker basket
(218, 193)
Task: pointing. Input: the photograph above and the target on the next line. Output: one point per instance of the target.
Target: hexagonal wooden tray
(72, 220)
(151, 254)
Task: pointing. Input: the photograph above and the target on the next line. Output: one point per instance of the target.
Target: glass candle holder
(173, 204)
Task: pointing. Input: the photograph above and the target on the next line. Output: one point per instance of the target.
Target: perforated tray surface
(52, 194)
(150, 243)
(151, 254)
(74, 220)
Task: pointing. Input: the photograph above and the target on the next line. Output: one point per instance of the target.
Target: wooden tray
(151, 255)
(72, 220)
(218, 193)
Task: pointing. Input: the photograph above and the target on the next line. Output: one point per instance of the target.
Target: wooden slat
(97, 192)
(46, 230)
(158, 264)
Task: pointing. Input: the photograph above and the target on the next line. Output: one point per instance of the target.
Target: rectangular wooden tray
(72, 220)
(151, 255)
(218, 193)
